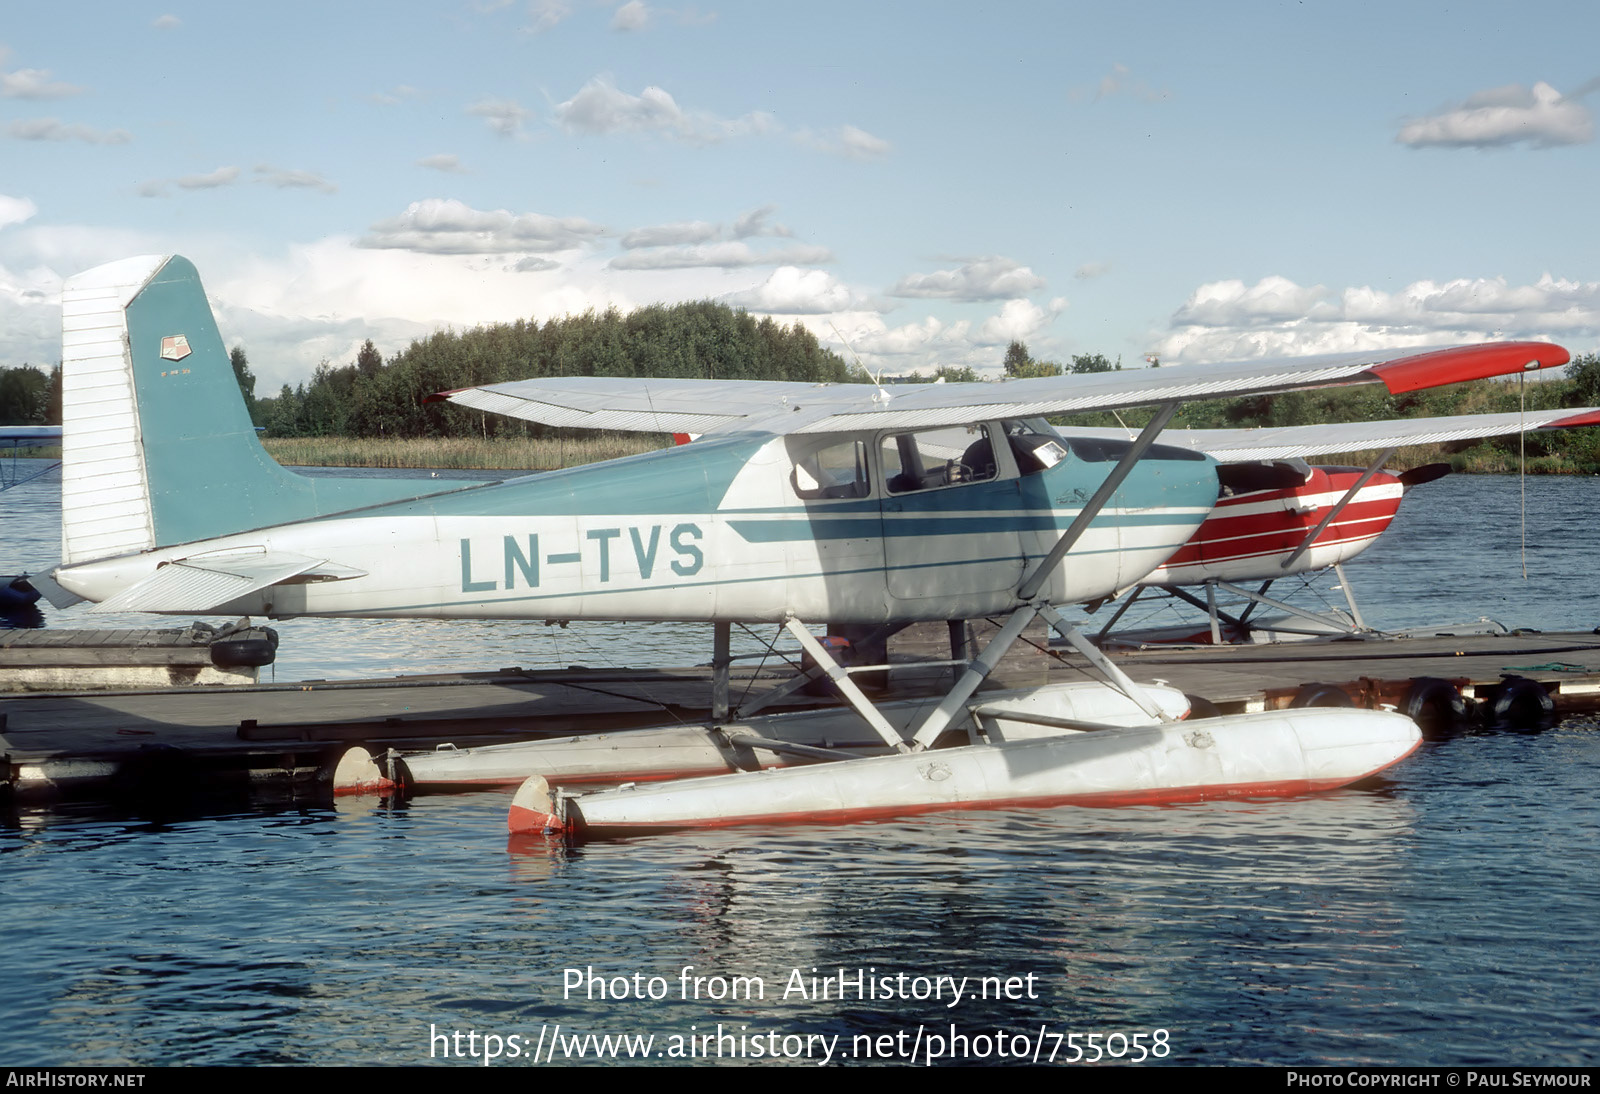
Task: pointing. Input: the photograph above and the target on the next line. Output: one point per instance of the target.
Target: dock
(50, 660)
(139, 741)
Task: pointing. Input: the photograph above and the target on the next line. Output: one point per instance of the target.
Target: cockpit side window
(835, 471)
(933, 458)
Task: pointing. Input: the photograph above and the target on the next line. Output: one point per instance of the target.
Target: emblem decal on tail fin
(174, 347)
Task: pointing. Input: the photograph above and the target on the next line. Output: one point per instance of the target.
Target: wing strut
(1338, 507)
(1041, 573)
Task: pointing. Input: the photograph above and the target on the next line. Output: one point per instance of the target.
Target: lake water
(1441, 916)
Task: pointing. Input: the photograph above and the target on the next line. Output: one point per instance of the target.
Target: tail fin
(157, 446)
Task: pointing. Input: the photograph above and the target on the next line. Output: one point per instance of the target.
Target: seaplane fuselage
(1255, 534)
(859, 528)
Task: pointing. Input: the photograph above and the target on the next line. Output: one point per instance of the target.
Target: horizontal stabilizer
(57, 596)
(207, 582)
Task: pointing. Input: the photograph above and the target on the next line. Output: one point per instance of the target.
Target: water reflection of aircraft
(1278, 516)
(16, 595)
(14, 438)
(801, 503)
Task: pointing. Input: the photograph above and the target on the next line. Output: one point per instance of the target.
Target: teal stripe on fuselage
(828, 527)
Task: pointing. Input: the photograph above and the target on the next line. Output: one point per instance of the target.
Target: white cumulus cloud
(34, 83)
(449, 227)
(601, 108)
(1539, 116)
(990, 278)
(1276, 317)
(1272, 299)
(793, 291)
(15, 210)
(1018, 320)
(931, 339)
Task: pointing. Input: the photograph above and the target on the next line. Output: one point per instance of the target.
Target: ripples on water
(1440, 916)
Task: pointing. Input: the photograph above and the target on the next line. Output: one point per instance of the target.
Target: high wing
(708, 406)
(1298, 441)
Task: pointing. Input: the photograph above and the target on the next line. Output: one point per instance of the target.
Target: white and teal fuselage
(713, 530)
(162, 465)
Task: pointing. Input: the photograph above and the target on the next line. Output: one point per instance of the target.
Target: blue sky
(924, 180)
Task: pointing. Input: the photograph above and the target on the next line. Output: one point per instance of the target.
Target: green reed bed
(509, 453)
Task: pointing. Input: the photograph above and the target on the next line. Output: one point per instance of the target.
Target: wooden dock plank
(250, 721)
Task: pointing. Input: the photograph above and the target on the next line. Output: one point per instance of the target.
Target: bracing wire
(1522, 465)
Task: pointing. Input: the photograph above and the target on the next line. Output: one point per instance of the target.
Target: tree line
(374, 398)
(371, 397)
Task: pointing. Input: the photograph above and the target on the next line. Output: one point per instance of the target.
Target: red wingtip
(1452, 366)
(1587, 417)
(441, 396)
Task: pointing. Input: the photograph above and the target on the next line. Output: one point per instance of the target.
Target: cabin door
(952, 514)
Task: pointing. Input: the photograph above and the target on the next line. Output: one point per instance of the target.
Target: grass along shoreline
(548, 454)
(459, 453)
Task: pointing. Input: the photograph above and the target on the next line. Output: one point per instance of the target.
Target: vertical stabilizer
(157, 446)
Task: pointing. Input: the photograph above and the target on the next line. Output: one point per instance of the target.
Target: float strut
(1349, 595)
(847, 687)
(1138, 591)
(982, 665)
(721, 663)
(1100, 661)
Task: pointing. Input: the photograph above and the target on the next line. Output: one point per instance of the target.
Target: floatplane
(1278, 516)
(799, 504)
